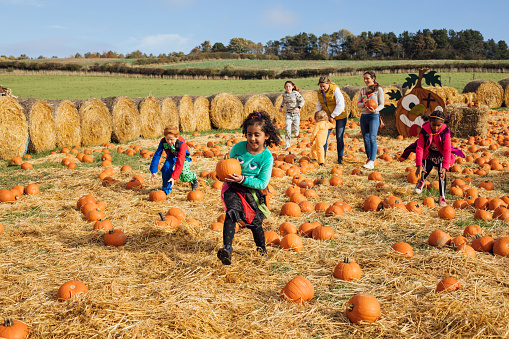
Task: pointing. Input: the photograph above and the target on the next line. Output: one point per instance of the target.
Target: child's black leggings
(428, 165)
(229, 233)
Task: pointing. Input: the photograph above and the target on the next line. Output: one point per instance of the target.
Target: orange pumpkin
(363, 307)
(13, 329)
(226, 167)
(448, 284)
(293, 242)
(403, 248)
(501, 246)
(272, 238)
(297, 290)
(32, 189)
(439, 238)
(287, 228)
(115, 238)
(70, 288)
(372, 203)
(157, 196)
(291, 209)
(323, 233)
(195, 195)
(347, 270)
(483, 244)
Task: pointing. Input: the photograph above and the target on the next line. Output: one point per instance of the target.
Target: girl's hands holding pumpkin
(234, 178)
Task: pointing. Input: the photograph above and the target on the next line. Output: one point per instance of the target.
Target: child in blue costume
(241, 193)
(178, 160)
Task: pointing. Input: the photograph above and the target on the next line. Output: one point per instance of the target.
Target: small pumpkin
(483, 215)
(293, 242)
(403, 248)
(466, 249)
(347, 270)
(446, 213)
(363, 307)
(195, 195)
(372, 203)
(448, 284)
(377, 176)
(306, 229)
(32, 189)
(226, 167)
(291, 209)
(333, 210)
(501, 246)
(13, 329)
(115, 238)
(158, 195)
(298, 290)
(439, 238)
(429, 202)
(472, 231)
(104, 224)
(323, 233)
(272, 238)
(287, 228)
(177, 213)
(483, 244)
(70, 288)
(414, 206)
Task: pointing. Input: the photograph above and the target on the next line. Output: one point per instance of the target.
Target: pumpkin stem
(111, 231)
(347, 260)
(477, 236)
(161, 216)
(350, 307)
(453, 245)
(8, 322)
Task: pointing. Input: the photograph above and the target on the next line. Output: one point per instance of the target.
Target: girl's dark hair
(437, 115)
(373, 88)
(295, 88)
(262, 118)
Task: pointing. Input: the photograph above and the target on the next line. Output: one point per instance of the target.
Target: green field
(78, 87)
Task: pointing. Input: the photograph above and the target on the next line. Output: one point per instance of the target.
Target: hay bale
(467, 121)
(226, 111)
(169, 112)
(201, 111)
(309, 108)
(67, 123)
(256, 102)
(504, 83)
(277, 99)
(438, 91)
(96, 122)
(390, 128)
(451, 94)
(348, 103)
(150, 117)
(126, 123)
(487, 92)
(13, 129)
(41, 125)
(187, 118)
(352, 91)
(389, 89)
(356, 111)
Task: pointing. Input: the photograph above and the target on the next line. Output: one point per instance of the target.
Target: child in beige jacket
(319, 135)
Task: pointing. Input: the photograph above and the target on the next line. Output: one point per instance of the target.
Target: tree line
(427, 44)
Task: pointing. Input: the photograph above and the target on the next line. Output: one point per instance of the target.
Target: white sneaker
(369, 165)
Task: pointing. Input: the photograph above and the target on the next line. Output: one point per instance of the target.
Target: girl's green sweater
(257, 168)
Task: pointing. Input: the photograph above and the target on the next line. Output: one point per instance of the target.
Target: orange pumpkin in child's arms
(226, 167)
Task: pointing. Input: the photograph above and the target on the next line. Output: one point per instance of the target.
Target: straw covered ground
(168, 283)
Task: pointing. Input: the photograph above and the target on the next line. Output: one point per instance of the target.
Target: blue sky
(63, 28)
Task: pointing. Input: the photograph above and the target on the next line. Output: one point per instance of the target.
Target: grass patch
(14, 216)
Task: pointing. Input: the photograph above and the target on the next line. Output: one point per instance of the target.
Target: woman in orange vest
(331, 100)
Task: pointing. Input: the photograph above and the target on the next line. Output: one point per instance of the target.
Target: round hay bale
(150, 117)
(41, 125)
(487, 92)
(504, 83)
(356, 111)
(13, 129)
(467, 121)
(187, 117)
(201, 111)
(348, 103)
(309, 108)
(226, 111)
(169, 112)
(451, 94)
(125, 119)
(438, 91)
(256, 102)
(96, 122)
(67, 123)
(279, 116)
(351, 91)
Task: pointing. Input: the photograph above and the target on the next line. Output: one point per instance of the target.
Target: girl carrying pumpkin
(433, 149)
(293, 102)
(178, 160)
(241, 193)
(319, 135)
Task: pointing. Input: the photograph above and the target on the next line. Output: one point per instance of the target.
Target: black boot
(225, 255)
(194, 184)
(340, 159)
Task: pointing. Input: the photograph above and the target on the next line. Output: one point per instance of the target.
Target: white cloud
(279, 16)
(36, 3)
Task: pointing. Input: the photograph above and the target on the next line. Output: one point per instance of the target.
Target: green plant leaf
(388, 109)
(432, 79)
(395, 95)
(410, 80)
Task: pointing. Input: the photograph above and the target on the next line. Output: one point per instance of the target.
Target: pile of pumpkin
(17, 192)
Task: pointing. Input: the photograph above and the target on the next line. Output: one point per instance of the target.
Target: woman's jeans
(369, 130)
(340, 131)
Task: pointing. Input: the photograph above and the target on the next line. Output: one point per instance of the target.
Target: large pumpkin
(298, 290)
(226, 167)
(363, 307)
(413, 106)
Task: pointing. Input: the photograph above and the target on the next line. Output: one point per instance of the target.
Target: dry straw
(202, 113)
(41, 125)
(226, 111)
(504, 83)
(348, 103)
(150, 117)
(257, 102)
(277, 99)
(96, 122)
(187, 116)
(169, 112)
(67, 123)
(13, 129)
(467, 121)
(125, 118)
(488, 92)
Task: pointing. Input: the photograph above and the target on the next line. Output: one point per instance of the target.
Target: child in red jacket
(178, 160)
